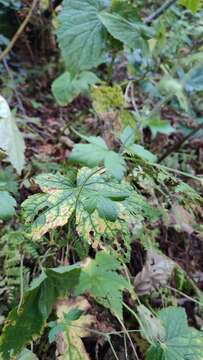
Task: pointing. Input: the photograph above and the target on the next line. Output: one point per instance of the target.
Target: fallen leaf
(155, 273)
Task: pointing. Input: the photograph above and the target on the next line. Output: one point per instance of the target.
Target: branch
(177, 146)
(19, 31)
(148, 20)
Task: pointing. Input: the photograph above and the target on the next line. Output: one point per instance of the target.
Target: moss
(107, 98)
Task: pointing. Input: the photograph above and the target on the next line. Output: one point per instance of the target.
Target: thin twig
(177, 146)
(10, 74)
(19, 31)
(148, 20)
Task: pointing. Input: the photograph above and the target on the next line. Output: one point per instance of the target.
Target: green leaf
(140, 151)
(192, 5)
(194, 79)
(132, 34)
(180, 341)
(8, 181)
(174, 87)
(26, 323)
(101, 280)
(11, 140)
(128, 136)
(81, 35)
(97, 153)
(7, 207)
(157, 125)
(66, 88)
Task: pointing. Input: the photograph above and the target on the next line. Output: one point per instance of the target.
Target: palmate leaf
(75, 327)
(91, 192)
(100, 279)
(97, 153)
(23, 324)
(127, 138)
(81, 35)
(61, 197)
(180, 342)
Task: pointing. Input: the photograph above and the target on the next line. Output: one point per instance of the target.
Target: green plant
(8, 186)
(111, 193)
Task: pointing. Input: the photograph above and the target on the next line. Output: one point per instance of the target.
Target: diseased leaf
(7, 205)
(100, 279)
(67, 87)
(11, 140)
(81, 35)
(92, 192)
(69, 343)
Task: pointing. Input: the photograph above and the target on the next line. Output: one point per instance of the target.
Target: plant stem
(21, 282)
(178, 172)
(19, 31)
(148, 20)
(179, 144)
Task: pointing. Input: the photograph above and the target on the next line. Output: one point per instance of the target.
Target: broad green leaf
(194, 79)
(7, 205)
(107, 98)
(8, 181)
(100, 278)
(81, 35)
(180, 341)
(192, 5)
(11, 140)
(125, 9)
(96, 153)
(157, 125)
(132, 34)
(26, 323)
(65, 88)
